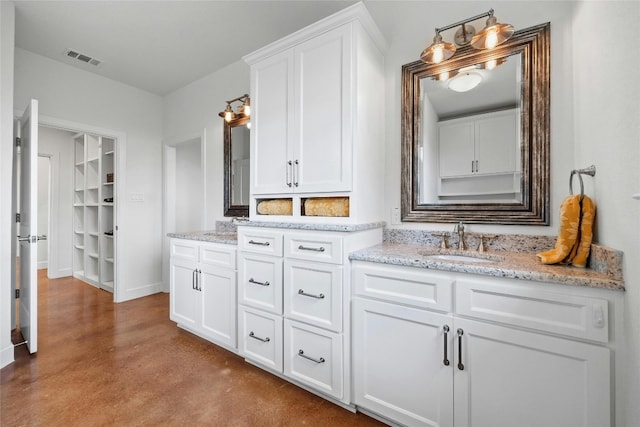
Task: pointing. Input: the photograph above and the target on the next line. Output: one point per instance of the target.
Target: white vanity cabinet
(505, 353)
(203, 289)
(293, 318)
(317, 117)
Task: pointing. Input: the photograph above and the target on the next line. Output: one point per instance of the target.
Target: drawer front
(313, 293)
(313, 356)
(575, 316)
(265, 242)
(218, 255)
(260, 337)
(184, 249)
(314, 247)
(405, 285)
(260, 282)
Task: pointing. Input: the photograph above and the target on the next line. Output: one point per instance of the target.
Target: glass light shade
(438, 51)
(465, 82)
(492, 34)
(228, 113)
(246, 110)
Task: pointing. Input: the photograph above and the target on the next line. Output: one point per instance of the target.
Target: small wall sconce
(242, 111)
(493, 34)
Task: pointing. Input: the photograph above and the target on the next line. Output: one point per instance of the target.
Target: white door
(217, 287)
(403, 363)
(28, 236)
(184, 294)
(516, 378)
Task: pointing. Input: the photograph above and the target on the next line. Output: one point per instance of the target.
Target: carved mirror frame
(533, 44)
(229, 209)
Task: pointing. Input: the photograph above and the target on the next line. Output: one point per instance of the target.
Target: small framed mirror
(479, 155)
(236, 167)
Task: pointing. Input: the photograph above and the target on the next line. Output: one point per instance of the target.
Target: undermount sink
(459, 256)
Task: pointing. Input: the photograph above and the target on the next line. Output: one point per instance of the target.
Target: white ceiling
(160, 46)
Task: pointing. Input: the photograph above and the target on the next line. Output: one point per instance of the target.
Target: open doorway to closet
(82, 215)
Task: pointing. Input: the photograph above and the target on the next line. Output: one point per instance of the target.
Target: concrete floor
(127, 364)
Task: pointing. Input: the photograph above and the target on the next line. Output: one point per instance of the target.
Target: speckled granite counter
(508, 264)
(214, 236)
(314, 226)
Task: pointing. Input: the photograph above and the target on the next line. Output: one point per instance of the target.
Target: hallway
(100, 363)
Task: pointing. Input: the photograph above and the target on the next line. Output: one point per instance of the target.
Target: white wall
(606, 108)
(58, 144)
(43, 209)
(189, 191)
(74, 95)
(7, 33)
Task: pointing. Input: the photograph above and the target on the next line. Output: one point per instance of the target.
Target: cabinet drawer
(321, 248)
(575, 316)
(260, 282)
(265, 242)
(260, 337)
(406, 285)
(313, 293)
(184, 249)
(313, 356)
(218, 255)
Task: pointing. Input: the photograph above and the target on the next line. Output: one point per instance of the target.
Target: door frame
(169, 146)
(119, 170)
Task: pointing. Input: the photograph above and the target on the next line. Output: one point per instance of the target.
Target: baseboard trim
(139, 292)
(43, 264)
(6, 356)
(66, 272)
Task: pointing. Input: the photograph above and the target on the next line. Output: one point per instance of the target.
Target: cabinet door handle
(289, 173)
(255, 282)
(253, 242)
(313, 359)
(199, 281)
(301, 292)
(460, 365)
(308, 248)
(445, 329)
(477, 170)
(296, 172)
(193, 279)
(472, 163)
(252, 335)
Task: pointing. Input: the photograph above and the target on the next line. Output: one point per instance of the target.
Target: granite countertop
(314, 226)
(213, 236)
(497, 263)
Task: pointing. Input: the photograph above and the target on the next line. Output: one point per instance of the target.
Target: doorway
(184, 190)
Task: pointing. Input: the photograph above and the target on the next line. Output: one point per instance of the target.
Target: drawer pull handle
(301, 354)
(253, 242)
(301, 292)
(445, 329)
(255, 282)
(460, 365)
(307, 248)
(252, 335)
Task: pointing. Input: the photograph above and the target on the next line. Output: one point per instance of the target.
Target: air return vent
(82, 57)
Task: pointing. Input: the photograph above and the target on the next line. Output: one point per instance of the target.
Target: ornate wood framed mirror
(482, 155)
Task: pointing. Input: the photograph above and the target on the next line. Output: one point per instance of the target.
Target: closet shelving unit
(93, 260)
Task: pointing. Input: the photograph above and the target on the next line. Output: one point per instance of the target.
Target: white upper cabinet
(318, 118)
(301, 123)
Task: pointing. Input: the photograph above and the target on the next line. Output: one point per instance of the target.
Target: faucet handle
(481, 247)
(443, 242)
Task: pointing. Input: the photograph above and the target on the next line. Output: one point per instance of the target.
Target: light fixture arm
(240, 98)
(464, 21)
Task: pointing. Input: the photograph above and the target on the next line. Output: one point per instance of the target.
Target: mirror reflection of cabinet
(236, 167)
(481, 144)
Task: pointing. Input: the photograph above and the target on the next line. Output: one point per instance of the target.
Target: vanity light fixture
(243, 110)
(493, 34)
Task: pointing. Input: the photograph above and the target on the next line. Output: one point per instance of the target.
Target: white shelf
(79, 231)
(92, 255)
(91, 205)
(107, 204)
(93, 233)
(108, 153)
(110, 260)
(109, 183)
(93, 160)
(80, 247)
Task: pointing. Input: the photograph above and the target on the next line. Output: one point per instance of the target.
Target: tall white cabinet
(94, 210)
(318, 118)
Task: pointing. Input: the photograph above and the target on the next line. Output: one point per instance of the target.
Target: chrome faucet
(459, 228)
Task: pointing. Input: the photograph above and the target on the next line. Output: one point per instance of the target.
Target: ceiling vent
(82, 57)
